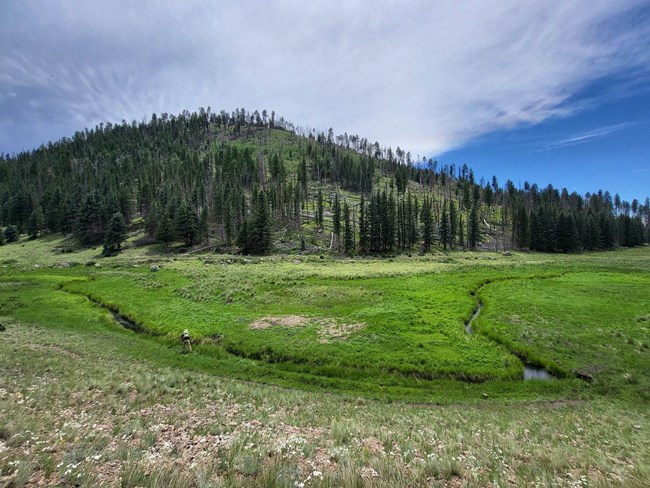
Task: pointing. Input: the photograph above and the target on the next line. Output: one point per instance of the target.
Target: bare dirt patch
(328, 329)
(284, 321)
(331, 330)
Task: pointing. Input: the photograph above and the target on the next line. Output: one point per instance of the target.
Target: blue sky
(553, 91)
(603, 147)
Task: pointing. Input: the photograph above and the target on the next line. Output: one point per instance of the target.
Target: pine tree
(320, 209)
(593, 239)
(473, 236)
(336, 219)
(259, 230)
(426, 218)
(227, 222)
(608, 231)
(166, 231)
(115, 234)
(11, 234)
(444, 228)
(242, 238)
(36, 222)
(453, 223)
(567, 234)
(347, 231)
(523, 228)
(152, 220)
(302, 175)
(203, 224)
(389, 225)
(89, 228)
(2, 238)
(187, 225)
(364, 234)
(412, 226)
(374, 223)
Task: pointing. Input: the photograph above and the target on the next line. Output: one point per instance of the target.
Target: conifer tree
(567, 235)
(523, 228)
(426, 218)
(152, 220)
(412, 226)
(608, 231)
(166, 231)
(227, 222)
(36, 222)
(388, 225)
(374, 223)
(302, 175)
(11, 234)
(242, 238)
(453, 223)
(187, 225)
(364, 234)
(348, 234)
(203, 224)
(89, 228)
(444, 228)
(320, 209)
(259, 228)
(115, 234)
(473, 228)
(336, 219)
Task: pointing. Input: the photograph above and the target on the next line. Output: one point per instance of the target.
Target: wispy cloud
(590, 135)
(429, 76)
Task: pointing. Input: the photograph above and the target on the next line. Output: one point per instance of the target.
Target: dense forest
(251, 183)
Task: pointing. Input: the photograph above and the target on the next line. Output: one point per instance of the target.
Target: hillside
(255, 184)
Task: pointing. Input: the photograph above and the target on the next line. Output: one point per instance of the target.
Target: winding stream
(125, 322)
(531, 372)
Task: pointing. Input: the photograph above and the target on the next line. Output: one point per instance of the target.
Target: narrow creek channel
(125, 322)
(531, 372)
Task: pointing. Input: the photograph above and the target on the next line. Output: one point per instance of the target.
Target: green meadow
(363, 350)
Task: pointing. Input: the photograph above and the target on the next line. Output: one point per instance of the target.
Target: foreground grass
(84, 402)
(76, 409)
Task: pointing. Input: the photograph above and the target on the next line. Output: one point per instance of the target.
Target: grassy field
(322, 371)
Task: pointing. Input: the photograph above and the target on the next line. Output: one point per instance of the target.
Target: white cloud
(589, 135)
(428, 76)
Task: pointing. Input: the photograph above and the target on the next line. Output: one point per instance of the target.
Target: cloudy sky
(551, 91)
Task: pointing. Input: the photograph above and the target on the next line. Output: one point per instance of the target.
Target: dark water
(126, 323)
(468, 325)
(530, 372)
(536, 373)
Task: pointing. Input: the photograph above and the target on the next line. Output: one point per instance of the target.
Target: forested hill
(251, 183)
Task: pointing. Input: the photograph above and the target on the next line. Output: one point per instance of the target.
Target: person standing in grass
(187, 342)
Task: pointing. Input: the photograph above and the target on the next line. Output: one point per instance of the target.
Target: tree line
(236, 178)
